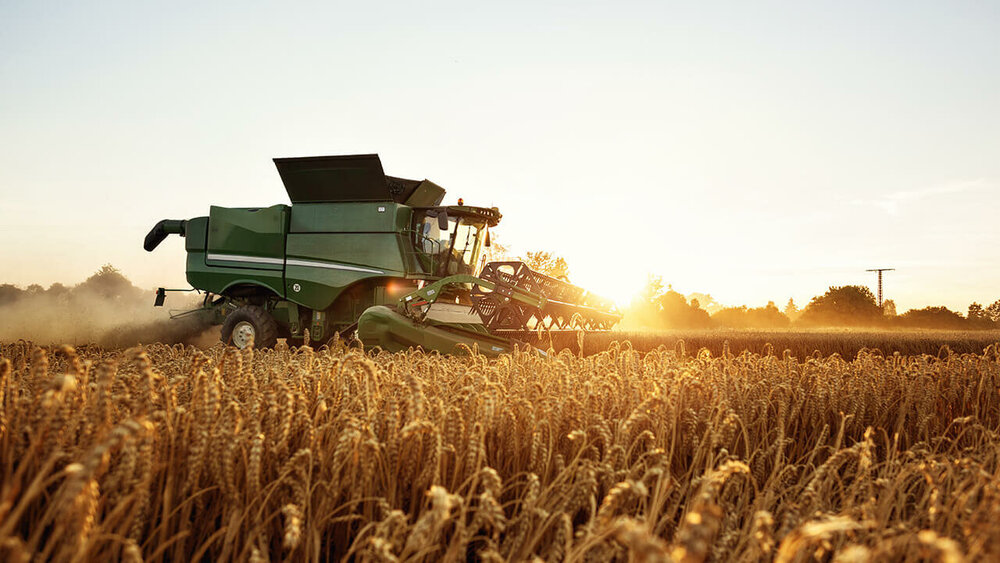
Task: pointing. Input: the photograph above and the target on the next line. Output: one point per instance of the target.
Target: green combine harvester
(372, 256)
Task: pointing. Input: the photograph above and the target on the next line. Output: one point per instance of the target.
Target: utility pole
(880, 270)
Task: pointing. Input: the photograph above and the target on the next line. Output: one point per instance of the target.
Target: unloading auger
(359, 252)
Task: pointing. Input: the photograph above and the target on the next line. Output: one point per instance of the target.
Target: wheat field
(164, 453)
(802, 343)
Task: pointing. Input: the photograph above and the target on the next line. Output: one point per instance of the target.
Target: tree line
(659, 306)
(107, 283)
(656, 306)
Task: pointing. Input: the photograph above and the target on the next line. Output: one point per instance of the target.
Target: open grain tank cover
(358, 177)
(315, 179)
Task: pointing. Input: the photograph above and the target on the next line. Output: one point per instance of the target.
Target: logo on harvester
(296, 287)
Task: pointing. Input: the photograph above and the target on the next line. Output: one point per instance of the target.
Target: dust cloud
(106, 309)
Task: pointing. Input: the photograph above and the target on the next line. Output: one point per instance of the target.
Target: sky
(754, 151)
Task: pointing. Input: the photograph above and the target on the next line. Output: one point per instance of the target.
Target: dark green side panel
(252, 238)
(237, 247)
(427, 194)
(348, 217)
(318, 288)
(376, 253)
(357, 177)
(324, 264)
(218, 279)
(196, 238)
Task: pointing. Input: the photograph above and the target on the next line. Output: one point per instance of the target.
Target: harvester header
(361, 253)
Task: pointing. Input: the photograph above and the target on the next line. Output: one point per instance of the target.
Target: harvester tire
(250, 321)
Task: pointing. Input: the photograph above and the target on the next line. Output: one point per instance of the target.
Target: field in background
(174, 454)
(799, 343)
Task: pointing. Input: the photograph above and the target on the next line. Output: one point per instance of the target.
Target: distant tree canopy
(849, 305)
(932, 317)
(109, 283)
(643, 311)
(649, 292)
(678, 313)
(10, 293)
(546, 263)
(658, 307)
(792, 310)
(978, 317)
(106, 283)
(993, 312)
(759, 317)
(706, 302)
(889, 308)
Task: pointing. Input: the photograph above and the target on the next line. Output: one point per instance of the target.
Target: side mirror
(161, 294)
(443, 220)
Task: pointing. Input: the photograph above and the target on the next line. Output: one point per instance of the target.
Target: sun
(610, 285)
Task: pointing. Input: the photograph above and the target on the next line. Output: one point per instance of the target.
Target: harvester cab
(452, 240)
(358, 252)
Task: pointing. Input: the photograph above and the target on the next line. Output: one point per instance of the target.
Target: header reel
(563, 306)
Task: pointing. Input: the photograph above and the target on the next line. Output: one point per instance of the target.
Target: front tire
(247, 324)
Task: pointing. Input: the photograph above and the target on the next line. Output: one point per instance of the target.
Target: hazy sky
(752, 150)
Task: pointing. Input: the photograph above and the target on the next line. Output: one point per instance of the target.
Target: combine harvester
(359, 251)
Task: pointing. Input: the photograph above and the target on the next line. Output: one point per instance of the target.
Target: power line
(880, 270)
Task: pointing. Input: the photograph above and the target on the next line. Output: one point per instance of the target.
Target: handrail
(417, 237)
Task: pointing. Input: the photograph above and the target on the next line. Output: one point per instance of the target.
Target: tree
(993, 311)
(109, 283)
(10, 293)
(676, 312)
(767, 316)
(58, 289)
(759, 317)
(497, 251)
(731, 317)
(546, 263)
(656, 307)
(792, 310)
(651, 291)
(889, 308)
(850, 305)
(644, 310)
(978, 317)
(932, 317)
(976, 312)
(706, 302)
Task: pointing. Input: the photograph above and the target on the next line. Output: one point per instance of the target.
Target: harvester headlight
(398, 289)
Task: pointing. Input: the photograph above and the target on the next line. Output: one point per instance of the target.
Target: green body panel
(220, 280)
(355, 300)
(427, 194)
(371, 253)
(332, 246)
(247, 236)
(196, 238)
(308, 253)
(354, 217)
(318, 288)
(381, 326)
